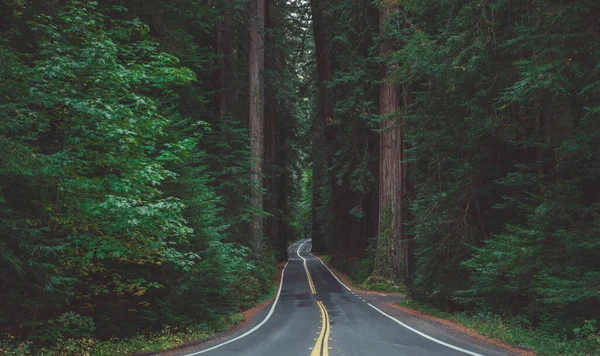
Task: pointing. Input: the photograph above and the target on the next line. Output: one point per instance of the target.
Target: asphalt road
(314, 314)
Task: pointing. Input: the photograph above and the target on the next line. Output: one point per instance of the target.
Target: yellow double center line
(321, 347)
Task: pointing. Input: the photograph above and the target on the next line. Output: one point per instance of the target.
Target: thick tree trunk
(390, 259)
(256, 98)
(320, 133)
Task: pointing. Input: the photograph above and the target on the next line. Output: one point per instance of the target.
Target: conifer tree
(256, 94)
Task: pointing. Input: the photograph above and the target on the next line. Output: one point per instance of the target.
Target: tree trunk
(320, 132)
(271, 162)
(256, 98)
(390, 261)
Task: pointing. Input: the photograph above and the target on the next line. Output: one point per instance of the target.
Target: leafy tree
(501, 216)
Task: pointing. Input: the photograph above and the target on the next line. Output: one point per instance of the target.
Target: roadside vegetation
(464, 138)
(550, 338)
(125, 187)
(154, 341)
(360, 274)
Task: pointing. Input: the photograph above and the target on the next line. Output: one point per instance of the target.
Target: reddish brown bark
(256, 99)
(272, 185)
(392, 175)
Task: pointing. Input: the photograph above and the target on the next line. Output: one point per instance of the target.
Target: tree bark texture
(390, 260)
(272, 146)
(256, 98)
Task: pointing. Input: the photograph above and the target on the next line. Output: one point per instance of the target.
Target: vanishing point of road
(315, 314)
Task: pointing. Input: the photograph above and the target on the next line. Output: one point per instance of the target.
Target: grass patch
(382, 285)
(166, 339)
(517, 332)
(269, 295)
(427, 309)
(326, 258)
(360, 270)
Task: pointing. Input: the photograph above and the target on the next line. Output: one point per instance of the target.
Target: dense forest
(157, 158)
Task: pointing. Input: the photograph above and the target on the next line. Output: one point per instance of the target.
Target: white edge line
(425, 335)
(254, 328)
(298, 252)
(398, 321)
(333, 274)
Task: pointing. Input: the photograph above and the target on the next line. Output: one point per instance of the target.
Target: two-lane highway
(315, 314)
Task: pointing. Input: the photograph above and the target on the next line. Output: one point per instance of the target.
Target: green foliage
(384, 259)
(118, 198)
(229, 167)
(358, 270)
(94, 139)
(326, 258)
(426, 308)
(382, 285)
(301, 213)
(502, 128)
(166, 338)
(124, 190)
(517, 331)
(361, 270)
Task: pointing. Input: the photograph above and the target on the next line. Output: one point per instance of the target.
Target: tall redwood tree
(391, 257)
(256, 92)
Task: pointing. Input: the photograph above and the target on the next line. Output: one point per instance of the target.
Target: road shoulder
(434, 326)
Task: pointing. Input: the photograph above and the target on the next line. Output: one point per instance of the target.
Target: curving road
(314, 314)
